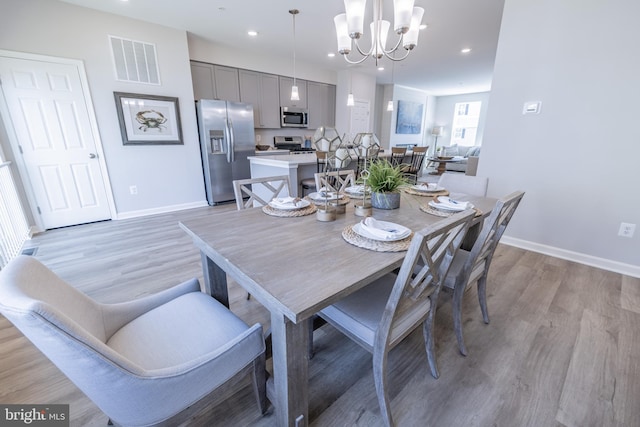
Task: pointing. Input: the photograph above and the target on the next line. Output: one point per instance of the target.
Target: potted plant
(385, 181)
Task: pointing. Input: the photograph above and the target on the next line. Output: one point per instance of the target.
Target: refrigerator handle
(232, 148)
(227, 139)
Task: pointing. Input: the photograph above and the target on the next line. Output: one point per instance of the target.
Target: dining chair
(469, 267)
(379, 316)
(309, 184)
(269, 186)
(397, 155)
(467, 184)
(336, 180)
(157, 360)
(412, 169)
(259, 190)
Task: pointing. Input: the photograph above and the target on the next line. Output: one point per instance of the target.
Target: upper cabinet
(322, 105)
(261, 91)
(285, 92)
(215, 82)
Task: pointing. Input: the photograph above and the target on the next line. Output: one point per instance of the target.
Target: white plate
(355, 190)
(441, 207)
(426, 189)
(300, 205)
(332, 195)
(364, 233)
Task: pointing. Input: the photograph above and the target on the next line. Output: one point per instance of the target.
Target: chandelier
(350, 27)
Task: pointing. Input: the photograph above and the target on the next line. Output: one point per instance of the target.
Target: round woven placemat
(432, 211)
(375, 245)
(410, 190)
(269, 210)
(342, 201)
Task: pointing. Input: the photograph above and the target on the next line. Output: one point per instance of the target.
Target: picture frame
(409, 118)
(148, 119)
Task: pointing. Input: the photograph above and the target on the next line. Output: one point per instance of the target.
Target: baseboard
(605, 264)
(164, 209)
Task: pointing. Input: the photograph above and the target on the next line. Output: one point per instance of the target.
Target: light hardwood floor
(562, 349)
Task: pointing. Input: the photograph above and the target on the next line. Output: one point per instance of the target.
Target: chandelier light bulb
(402, 12)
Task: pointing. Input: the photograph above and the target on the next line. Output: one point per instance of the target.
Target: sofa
(468, 157)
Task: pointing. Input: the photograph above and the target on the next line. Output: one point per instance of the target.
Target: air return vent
(135, 61)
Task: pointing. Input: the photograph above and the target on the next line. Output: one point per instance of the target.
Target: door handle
(232, 141)
(92, 156)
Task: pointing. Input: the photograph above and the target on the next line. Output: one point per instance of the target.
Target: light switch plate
(532, 107)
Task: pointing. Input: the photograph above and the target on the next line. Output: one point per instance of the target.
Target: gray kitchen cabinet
(262, 91)
(322, 104)
(215, 82)
(285, 92)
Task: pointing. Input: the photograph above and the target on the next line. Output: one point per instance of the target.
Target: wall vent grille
(135, 61)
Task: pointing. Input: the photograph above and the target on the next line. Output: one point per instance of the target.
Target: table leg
(290, 370)
(215, 280)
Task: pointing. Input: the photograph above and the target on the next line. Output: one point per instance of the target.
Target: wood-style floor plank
(562, 348)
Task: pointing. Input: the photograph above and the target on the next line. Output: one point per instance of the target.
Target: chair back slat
(269, 188)
(335, 180)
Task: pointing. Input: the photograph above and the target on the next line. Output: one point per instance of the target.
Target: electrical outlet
(133, 189)
(626, 229)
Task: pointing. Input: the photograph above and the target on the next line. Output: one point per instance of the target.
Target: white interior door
(50, 116)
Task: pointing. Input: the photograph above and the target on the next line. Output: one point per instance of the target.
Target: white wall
(446, 107)
(167, 177)
(388, 128)
(578, 159)
(363, 87)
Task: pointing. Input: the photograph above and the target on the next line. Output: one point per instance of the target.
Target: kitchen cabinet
(285, 92)
(322, 104)
(262, 91)
(215, 82)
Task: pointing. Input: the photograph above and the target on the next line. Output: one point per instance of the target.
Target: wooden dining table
(295, 267)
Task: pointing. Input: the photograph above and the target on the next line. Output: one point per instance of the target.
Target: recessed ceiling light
(465, 50)
(423, 26)
(252, 33)
(331, 54)
(380, 68)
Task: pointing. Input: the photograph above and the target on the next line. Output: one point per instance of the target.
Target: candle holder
(367, 146)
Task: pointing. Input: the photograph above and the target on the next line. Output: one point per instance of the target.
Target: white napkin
(449, 203)
(285, 202)
(385, 231)
(426, 186)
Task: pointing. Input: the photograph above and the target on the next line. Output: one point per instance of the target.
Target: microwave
(291, 117)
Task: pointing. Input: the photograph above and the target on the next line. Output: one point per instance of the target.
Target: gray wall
(167, 177)
(578, 159)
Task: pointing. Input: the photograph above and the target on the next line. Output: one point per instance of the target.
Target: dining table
(295, 266)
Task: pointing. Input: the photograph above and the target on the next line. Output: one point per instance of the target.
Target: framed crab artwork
(148, 119)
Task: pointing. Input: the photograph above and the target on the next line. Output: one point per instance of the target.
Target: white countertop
(284, 160)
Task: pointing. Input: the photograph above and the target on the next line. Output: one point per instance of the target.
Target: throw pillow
(474, 151)
(449, 151)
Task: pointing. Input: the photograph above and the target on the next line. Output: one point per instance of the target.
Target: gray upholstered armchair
(142, 362)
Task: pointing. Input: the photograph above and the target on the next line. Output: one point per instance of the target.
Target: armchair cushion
(184, 329)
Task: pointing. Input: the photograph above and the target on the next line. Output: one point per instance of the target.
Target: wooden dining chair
(309, 184)
(336, 180)
(397, 155)
(412, 169)
(469, 267)
(260, 190)
(467, 184)
(379, 316)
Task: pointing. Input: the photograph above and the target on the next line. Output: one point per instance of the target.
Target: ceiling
(436, 65)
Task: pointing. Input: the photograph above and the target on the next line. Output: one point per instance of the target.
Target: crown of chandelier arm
(350, 27)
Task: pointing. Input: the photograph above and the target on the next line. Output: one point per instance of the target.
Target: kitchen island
(296, 166)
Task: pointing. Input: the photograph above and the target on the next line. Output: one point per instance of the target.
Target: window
(466, 117)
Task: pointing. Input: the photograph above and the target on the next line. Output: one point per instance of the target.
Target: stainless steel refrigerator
(226, 139)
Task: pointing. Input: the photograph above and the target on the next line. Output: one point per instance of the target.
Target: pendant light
(350, 100)
(295, 96)
(393, 68)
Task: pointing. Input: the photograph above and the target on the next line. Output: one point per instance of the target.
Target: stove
(291, 143)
